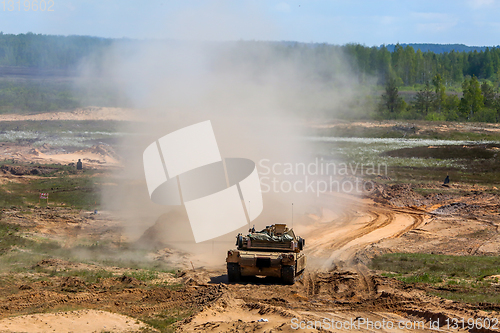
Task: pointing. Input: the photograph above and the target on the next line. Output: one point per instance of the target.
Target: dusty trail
(337, 241)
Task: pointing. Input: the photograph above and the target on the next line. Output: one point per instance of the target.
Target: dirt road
(362, 223)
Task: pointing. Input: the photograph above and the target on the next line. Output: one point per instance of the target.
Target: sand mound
(101, 154)
(101, 150)
(34, 152)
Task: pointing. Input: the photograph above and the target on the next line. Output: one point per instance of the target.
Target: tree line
(409, 66)
(478, 102)
(405, 64)
(439, 86)
(46, 51)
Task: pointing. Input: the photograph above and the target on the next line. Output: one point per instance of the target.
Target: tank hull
(259, 263)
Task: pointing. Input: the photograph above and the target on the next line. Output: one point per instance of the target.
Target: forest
(448, 86)
(406, 82)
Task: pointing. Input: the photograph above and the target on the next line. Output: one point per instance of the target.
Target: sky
(368, 22)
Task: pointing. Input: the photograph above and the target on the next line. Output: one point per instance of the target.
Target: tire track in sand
(339, 240)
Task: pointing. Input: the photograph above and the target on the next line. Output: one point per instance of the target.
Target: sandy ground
(98, 156)
(71, 321)
(337, 286)
(92, 156)
(89, 113)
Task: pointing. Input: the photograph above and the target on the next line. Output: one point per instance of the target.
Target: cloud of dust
(259, 96)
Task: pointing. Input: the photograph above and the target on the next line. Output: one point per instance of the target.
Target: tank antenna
(249, 218)
(292, 215)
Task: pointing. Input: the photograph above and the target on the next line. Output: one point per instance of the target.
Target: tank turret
(276, 237)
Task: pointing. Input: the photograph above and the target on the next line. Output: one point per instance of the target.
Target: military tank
(274, 251)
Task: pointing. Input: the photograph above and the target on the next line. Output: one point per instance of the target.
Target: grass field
(63, 133)
(67, 187)
(462, 278)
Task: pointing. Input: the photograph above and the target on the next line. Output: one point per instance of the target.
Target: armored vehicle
(274, 251)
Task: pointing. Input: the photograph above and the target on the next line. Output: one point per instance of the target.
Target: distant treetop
(441, 48)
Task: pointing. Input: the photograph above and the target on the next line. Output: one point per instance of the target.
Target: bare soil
(98, 156)
(458, 219)
(337, 285)
(89, 113)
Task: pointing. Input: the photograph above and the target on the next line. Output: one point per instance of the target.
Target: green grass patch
(458, 135)
(9, 237)
(470, 152)
(8, 199)
(461, 278)
(89, 276)
(421, 278)
(20, 261)
(438, 265)
(359, 132)
(469, 297)
(46, 94)
(164, 322)
(81, 192)
(427, 191)
(65, 186)
(143, 275)
(485, 174)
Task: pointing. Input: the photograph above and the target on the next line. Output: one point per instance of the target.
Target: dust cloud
(259, 97)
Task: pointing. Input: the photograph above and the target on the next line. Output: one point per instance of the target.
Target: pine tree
(472, 100)
(439, 92)
(424, 99)
(391, 100)
(488, 94)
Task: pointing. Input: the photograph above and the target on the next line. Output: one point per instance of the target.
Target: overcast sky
(369, 22)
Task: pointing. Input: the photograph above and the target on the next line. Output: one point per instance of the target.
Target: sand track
(338, 240)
